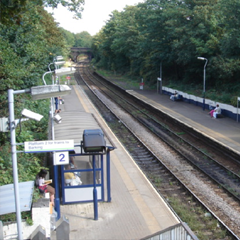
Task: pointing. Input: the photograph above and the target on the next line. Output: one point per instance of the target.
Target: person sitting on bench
(43, 185)
(215, 111)
(174, 96)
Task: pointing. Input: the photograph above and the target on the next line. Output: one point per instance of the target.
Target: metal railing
(181, 231)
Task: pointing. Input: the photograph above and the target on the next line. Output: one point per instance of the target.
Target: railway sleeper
(138, 152)
(146, 159)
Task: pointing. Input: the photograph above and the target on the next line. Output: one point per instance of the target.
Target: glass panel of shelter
(81, 167)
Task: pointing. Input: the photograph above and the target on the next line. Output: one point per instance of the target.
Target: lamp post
(39, 92)
(58, 72)
(204, 79)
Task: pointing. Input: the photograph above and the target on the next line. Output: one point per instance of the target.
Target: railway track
(170, 181)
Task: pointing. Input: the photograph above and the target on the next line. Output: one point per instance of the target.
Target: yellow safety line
(81, 100)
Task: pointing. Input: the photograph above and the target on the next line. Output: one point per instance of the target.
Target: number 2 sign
(61, 158)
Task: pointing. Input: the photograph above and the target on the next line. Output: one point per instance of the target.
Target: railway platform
(224, 130)
(136, 210)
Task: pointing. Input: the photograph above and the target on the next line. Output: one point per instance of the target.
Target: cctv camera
(57, 118)
(29, 114)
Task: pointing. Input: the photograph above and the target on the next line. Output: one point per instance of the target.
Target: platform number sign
(61, 158)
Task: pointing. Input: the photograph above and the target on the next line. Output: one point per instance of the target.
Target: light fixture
(59, 58)
(204, 79)
(57, 118)
(32, 115)
(59, 63)
(93, 140)
(64, 71)
(48, 91)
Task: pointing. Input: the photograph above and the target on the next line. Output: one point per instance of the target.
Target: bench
(178, 98)
(218, 115)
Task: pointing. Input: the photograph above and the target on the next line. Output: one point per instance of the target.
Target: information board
(49, 146)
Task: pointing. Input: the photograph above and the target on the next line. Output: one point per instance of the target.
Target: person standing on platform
(56, 104)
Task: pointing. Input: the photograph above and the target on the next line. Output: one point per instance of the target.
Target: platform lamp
(94, 142)
(204, 79)
(58, 58)
(38, 92)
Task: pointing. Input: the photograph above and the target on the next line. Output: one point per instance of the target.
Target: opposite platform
(225, 130)
(136, 209)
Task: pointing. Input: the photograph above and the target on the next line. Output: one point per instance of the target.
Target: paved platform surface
(224, 130)
(136, 210)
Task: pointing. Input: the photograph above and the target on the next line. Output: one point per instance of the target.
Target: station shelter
(88, 174)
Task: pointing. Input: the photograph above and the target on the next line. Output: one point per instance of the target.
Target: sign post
(159, 89)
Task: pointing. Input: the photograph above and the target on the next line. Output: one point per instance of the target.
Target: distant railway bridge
(76, 51)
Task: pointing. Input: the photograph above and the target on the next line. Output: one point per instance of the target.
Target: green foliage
(12, 11)
(28, 166)
(175, 33)
(29, 40)
(11, 217)
(82, 39)
(25, 52)
(69, 37)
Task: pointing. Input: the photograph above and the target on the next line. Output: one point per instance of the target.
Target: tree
(25, 52)
(69, 37)
(12, 11)
(83, 39)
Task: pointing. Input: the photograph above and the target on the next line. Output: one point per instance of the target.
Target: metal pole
(44, 76)
(108, 177)
(14, 162)
(204, 83)
(102, 177)
(161, 78)
(95, 198)
(237, 109)
(55, 167)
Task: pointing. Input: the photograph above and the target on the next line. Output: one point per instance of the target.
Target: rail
(180, 231)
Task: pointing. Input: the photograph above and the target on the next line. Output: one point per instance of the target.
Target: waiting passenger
(70, 178)
(174, 96)
(56, 103)
(215, 111)
(44, 187)
(58, 111)
(72, 164)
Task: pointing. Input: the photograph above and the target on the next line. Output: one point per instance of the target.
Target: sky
(94, 15)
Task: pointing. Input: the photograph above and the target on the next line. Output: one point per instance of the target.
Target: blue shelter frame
(77, 194)
(82, 193)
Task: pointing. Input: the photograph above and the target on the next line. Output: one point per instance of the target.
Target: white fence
(227, 110)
